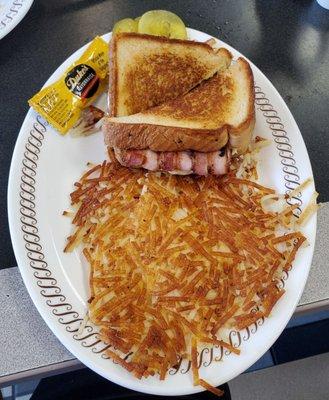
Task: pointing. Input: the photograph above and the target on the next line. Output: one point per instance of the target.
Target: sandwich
(145, 70)
(192, 133)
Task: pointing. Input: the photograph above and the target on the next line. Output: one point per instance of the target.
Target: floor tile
(25, 388)
(302, 341)
(6, 392)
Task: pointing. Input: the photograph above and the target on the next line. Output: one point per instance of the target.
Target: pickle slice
(162, 23)
(125, 25)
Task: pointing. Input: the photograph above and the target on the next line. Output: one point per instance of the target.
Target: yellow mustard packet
(62, 102)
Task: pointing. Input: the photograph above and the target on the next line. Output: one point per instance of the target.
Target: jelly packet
(62, 102)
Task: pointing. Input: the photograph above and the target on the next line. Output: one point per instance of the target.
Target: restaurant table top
(287, 40)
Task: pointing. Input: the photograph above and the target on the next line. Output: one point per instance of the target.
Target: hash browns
(176, 260)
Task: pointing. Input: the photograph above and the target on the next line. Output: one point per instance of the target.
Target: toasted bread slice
(219, 110)
(146, 70)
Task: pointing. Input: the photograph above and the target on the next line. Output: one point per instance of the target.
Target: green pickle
(125, 25)
(162, 23)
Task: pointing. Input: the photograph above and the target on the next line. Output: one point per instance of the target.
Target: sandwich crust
(164, 138)
(219, 110)
(240, 135)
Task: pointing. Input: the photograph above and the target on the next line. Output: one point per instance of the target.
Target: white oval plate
(11, 14)
(44, 167)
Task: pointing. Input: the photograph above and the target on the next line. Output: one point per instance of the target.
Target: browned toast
(146, 71)
(217, 111)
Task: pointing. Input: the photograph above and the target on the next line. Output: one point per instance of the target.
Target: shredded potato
(175, 261)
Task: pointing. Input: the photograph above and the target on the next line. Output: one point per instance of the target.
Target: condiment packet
(62, 102)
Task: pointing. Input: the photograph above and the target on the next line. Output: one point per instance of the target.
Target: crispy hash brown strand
(177, 260)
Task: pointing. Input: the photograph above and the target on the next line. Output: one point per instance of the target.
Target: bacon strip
(185, 162)
(200, 166)
(134, 159)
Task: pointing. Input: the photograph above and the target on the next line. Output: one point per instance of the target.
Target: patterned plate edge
(48, 285)
(13, 12)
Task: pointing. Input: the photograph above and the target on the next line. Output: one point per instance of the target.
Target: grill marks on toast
(146, 71)
(209, 104)
(218, 110)
(160, 78)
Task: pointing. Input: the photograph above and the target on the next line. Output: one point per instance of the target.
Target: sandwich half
(145, 70)
(192, 133)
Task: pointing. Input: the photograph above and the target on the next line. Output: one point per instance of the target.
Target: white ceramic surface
(11, 14)
(324, 3)
(44, 167)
